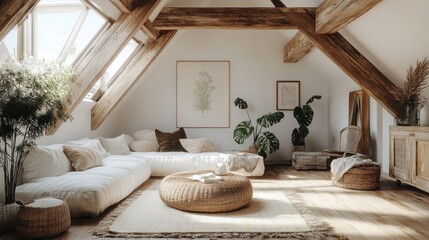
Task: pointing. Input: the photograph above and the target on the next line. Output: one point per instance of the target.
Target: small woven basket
(364, 177)
(43, 218)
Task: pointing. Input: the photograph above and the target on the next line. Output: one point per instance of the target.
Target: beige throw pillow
(198, 145)
(83, 157)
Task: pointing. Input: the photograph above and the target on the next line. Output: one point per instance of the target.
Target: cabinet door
(420, 160)
(400, 166)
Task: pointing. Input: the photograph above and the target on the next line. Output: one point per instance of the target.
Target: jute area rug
(272, 213)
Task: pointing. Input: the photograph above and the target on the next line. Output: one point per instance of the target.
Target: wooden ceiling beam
(98, 59)
(125, 6)
(133, 72)
(352, 62)
(226, 18)
(299, 45)
(297, 48)
(150, 30)
(332, 15)
(13, 13)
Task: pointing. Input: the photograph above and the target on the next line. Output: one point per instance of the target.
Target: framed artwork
(288, 95)
(202, 94)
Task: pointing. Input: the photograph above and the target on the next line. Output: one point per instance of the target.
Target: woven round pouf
(43, 218)
(365, 177)
(178, 191)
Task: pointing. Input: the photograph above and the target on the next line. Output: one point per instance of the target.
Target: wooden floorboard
(390, 213)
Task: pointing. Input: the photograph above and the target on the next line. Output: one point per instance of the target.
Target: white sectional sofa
(90, 192)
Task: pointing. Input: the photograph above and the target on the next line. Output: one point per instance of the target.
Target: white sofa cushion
(90, 192)
(45, 161)
(143, 146)
(197, 145)
(115, 146)
(165, 163)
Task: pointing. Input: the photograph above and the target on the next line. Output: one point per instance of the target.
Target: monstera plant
(264, 142)
(304, 117)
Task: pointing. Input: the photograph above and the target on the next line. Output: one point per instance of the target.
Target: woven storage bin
(43, 218)
(365, 177)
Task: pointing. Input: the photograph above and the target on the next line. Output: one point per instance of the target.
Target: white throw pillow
(146, 135)
(45, 161)
(197, 145)
(115, 146)
(128, 139)
(143, 146)
(95, 143)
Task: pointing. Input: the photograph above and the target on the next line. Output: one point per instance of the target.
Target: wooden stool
(43, 218)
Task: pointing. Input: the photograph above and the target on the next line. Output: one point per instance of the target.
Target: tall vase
(410, 115)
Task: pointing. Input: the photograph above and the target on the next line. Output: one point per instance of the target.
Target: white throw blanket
(341, 165)
(241, 160)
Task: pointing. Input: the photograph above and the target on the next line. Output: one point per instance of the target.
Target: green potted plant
(304, 117)
(264, 143)
(33, 96)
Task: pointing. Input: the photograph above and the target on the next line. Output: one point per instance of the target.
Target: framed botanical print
(202, 92)
(288, 95)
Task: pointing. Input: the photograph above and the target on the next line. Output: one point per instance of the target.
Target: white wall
(256, 60)
(80, 127)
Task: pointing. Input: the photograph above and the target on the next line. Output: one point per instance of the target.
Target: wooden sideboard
(409, 155)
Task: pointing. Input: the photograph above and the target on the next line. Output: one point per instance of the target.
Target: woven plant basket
(43, 218)
(8, 214)
(365, 177)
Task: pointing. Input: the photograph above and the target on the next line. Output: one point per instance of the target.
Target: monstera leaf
(312, 99)
(240, 103)
(243, 131)
(270, 119)
(267, 143)
(298, 135)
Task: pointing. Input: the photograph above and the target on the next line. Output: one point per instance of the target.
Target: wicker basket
(43, 218)
(365, 177)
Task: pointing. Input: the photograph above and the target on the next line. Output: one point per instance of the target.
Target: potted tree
(304, 117)
(33, 96)
(264, 143)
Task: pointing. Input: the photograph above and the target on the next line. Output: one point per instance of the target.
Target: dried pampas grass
(411, 91)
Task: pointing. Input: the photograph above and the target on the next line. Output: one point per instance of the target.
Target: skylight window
(109, 76)
(9, 45)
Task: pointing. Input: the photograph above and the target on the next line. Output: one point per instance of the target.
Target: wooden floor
(392, 212)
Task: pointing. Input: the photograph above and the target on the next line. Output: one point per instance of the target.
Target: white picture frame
(202, 94)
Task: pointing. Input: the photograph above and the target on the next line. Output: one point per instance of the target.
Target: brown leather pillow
(169, 142)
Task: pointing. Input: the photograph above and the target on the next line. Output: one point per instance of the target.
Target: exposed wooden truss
(97, 60)
(150, 30)
(127, 78)
(297, 48)
(299, 45)
(351, 61)
(223, 18)
(12, 13)
(125, 6)
(332, 15)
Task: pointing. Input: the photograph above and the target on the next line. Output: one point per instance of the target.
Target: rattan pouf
(178, 191)
(365, 177)
(43, 218)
